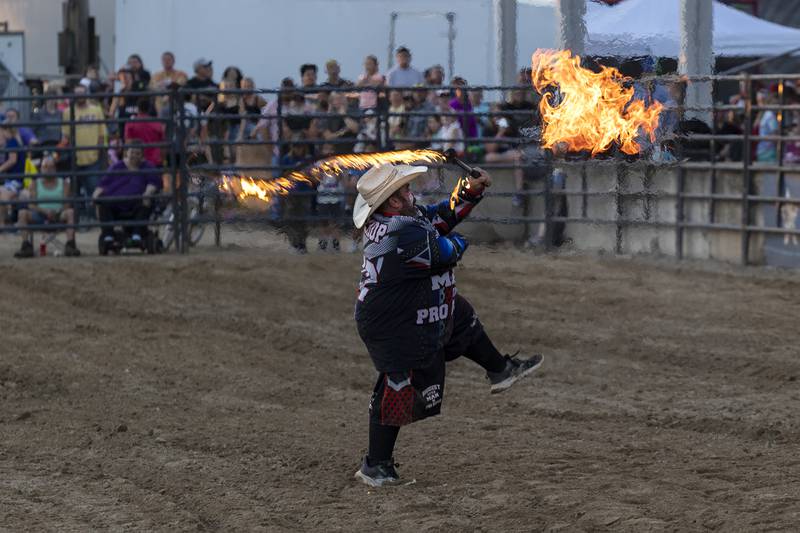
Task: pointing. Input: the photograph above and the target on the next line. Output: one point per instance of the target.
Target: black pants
(400, 398)
(117, 211)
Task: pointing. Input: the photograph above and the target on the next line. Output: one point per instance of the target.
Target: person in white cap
(408, 312)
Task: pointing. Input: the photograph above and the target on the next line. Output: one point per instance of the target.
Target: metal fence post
(73, 163)
(176, 149)
(746, 175)
(181, 195)
(679, 216)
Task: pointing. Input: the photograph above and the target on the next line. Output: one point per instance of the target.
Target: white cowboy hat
(377, 185)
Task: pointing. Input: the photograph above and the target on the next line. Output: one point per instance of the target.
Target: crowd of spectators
(230, 123)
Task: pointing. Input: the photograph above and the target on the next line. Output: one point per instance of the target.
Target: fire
(265, 189)
(594, 110)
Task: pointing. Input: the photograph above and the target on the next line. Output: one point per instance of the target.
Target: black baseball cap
(402, 49)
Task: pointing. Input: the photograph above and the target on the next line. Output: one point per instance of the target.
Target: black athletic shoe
(335, 245)
(515, 369)
(377, 475)
(25, 251)
(71, 250)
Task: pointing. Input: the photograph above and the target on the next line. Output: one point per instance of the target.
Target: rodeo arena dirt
(216, 380)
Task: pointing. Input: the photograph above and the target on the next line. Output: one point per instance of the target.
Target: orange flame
(595, 109)
(265, 189)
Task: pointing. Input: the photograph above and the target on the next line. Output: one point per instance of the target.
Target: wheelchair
(123, 239)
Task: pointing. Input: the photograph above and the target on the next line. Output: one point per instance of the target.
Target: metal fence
(208, 134)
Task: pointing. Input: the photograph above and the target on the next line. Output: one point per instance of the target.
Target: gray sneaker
(379, 474)
(515, 369)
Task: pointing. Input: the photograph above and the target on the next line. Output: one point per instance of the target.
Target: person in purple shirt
(25, 134)
(461, 104)
(139, 180)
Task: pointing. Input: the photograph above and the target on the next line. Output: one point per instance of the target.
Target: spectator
(330, 207)
(92, 81)
(233, 75)
(269, 127)
(504, 151)
(367, 138)
(432, 128)
(397, 118)
(203, 81)
(164, 80)
(250, 104)
(449, 136)
(308, 80)
(147, 132)
(461, 104)
(129, 177)
(369, 78)
(298, 202)
(141, 76)
(792, 153)
(418, 123)
(480, 108)
(25, 134)
(221, 126)
(13, 164)
(52, 190)
(123, 104)
(731, 125)
(332, 69)
(403, 74)
(434, 76)
(766, 150)
(48, 117)
(339, 130)
(88, 161)
(442, 101)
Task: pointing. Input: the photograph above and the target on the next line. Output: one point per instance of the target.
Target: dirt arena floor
(227, 390)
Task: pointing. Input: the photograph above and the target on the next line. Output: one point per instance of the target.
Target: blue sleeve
(423, 251)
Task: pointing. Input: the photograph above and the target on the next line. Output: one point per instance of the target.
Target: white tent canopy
(652, 27)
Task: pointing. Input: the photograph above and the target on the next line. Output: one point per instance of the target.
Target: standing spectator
(92, 81)
(164, 80)
(461, 104)
(369, 78)
(233, 75)
(766, 150)
(403, 74)
(330, 208)
(269, 127)
(87, 160)
(221, 126)
(123, 105)
(203, 81)
(332, 69)
(48, 117)
(308, 80)
(250, 104)
(13, 163)
(434, 76)
(141, 76)
(147, 132)
(52, 189)
(298, 201)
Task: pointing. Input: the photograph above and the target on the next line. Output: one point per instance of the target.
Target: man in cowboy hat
(408, 312)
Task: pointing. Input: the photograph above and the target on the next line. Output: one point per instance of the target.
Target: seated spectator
(792, 153)
(479, 107)
(52, 189)
(766, 150)
(25, 134)
(403, 74)
(730, 125)
(49, 118)
(269, 127)
(250, 104)
(434, 76)
(449, 136)
(418, 124)
(505, 151)
(92, 81)
(149, 132)
(129, 177)
(367, 138)
(13, 164)
(340, 131)
(164, 80)
(397, 118)
(369, 78)
(141, 76)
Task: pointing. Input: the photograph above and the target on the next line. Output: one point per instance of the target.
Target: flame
(595, 109)
(266, 189)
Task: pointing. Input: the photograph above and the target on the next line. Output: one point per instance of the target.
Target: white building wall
(270, 40)
(42, 20)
